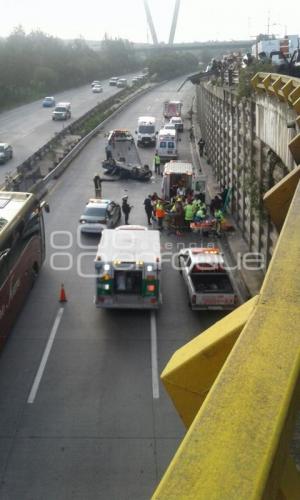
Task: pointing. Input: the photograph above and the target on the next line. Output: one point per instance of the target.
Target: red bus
(22, 252)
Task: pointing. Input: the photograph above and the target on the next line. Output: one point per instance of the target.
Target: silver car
(6, 152)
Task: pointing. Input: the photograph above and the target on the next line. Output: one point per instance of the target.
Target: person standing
(219, 218)
(126, 208)
(108, 151)
(160, 214)
(148, 208)
(188, 215)
(201, 144)
(98, 186)
(157, 163)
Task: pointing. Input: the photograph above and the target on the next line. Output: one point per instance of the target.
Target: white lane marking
(148, 108)
(38, 377)
(154, 362)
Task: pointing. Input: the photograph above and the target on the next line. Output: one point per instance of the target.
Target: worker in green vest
(157, 163)
(219, 217)
(188, 214)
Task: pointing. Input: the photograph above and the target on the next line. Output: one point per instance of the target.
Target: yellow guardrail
(287, 89)
(237, 385)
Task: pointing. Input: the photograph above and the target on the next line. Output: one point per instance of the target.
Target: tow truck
(125, 162)
(208, 283)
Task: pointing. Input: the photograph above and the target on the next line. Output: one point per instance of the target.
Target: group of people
(183, 210)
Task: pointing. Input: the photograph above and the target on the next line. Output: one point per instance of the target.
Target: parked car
(98, 215)
(6, 152)
(95, 82)
(62, 111)
(113, 81)
(97, 89)
(48, 102)
(177, 121)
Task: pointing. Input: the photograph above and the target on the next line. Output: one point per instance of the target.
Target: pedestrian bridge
(237, 385)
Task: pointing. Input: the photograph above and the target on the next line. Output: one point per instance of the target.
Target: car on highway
(48, 102)
(169, 126)
(97, 89)
(95, 82)
(6, 152)
(99, 214)
(177, 121)
(122, 83)
(62, 111)
(113, 81)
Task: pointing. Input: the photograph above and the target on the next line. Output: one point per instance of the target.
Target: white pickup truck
(208, 283)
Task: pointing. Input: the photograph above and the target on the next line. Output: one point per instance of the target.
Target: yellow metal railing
(237, 385)
(287, 89)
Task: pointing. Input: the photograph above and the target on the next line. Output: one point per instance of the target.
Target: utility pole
(174, 22)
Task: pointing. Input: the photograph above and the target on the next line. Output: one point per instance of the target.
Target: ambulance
(128, 269)
(166, 145)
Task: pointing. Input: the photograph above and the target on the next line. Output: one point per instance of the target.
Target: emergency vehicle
(166, 145)
(172, 108)
(182, 174)
(146, 131)
(208, 283)
(128, 268)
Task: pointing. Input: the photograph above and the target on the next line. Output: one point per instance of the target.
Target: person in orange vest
(160, 214)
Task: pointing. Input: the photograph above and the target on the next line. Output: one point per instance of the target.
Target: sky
(198, 20)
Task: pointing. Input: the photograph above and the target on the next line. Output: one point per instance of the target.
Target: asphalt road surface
(29, 127)
(97, 424)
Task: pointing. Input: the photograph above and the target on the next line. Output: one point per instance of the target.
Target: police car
(99, 214)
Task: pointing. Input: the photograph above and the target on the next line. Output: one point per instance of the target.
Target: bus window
(32, 226)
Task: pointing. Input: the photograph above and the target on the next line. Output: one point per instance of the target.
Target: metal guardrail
(27, 165)
(59, 169)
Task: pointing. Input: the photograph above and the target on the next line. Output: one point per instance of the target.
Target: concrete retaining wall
(247, 148)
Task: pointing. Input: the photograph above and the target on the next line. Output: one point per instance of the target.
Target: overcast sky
(198, 20)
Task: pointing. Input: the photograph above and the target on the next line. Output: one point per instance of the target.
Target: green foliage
(37, 64)
(245, 88)
(168, 64)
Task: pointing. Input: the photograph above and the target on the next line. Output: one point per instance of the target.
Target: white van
(146, 131)
(62, 111)
(166, 145)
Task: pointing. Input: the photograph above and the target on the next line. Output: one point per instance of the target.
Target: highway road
(29, 127)
(97, 424)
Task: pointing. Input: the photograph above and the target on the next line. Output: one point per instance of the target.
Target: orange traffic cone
(62, 295)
